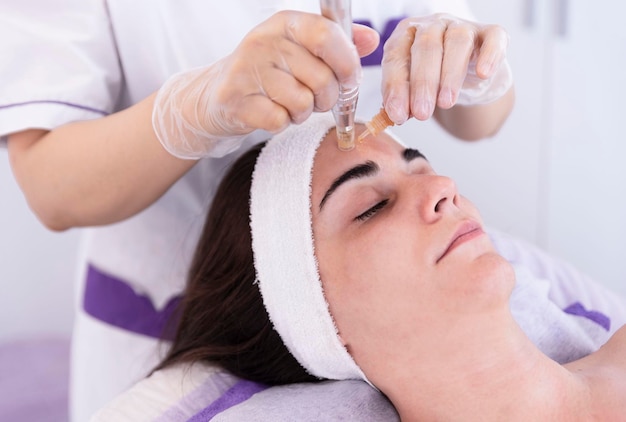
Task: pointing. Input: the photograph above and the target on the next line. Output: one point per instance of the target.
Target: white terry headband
(284, 258)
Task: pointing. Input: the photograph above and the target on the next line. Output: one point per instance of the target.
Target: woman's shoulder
(605, 374)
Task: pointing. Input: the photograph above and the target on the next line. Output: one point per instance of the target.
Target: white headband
(284, 258)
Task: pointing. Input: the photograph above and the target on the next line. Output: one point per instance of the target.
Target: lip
(467, 231)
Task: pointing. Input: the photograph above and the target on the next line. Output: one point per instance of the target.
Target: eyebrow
(410, 154)
(367, 169)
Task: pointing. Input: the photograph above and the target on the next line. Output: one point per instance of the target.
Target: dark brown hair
(221, 317)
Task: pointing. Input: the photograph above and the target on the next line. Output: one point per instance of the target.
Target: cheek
(374, 284)
(467, 206)
(369, 261)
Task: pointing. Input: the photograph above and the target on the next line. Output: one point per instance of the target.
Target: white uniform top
(67, 60)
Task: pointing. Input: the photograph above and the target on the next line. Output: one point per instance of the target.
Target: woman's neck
(489, 373)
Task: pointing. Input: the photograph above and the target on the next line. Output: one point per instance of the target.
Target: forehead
(330, 162)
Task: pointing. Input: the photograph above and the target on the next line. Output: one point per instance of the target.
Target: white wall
(36, 268)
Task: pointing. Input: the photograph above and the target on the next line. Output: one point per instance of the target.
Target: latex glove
(283, 70)
(441, 60)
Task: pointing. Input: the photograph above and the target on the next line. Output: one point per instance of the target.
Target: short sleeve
(59, 63)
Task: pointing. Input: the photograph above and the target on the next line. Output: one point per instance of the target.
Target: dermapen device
(344, 111)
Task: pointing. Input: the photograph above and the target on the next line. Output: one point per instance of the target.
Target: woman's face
(400, 252)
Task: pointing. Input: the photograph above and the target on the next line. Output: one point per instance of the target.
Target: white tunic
(82, 59)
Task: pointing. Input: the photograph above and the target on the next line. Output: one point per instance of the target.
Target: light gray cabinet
(586, 221)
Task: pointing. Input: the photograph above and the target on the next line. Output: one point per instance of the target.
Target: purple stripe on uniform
(375, 59)
(82, 107)
(599, 318)
(238, 393)
(111, 300)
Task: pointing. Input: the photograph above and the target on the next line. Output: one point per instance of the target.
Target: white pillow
(173, 394)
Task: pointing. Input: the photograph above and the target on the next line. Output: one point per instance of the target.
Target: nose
(439, 195)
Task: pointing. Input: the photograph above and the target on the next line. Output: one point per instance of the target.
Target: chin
(482, 283)
(494, 273)
(488, 281)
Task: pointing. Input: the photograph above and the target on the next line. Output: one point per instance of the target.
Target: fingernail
(354, 81)
(359, 75)
(446, 98)
(486, 69)
(423, 109)
(396, 112)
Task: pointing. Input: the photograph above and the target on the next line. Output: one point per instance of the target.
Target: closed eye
(370, 212)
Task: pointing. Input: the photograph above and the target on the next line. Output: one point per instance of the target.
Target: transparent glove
(477, 90)
(283, 70)
(441, 60)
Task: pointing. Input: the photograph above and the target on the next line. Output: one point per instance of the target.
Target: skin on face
(393, 274)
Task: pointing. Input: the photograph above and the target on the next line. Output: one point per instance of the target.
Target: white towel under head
(282, 242)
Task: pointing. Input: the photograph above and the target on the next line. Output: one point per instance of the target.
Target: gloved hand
(441, 60)
(283, 70)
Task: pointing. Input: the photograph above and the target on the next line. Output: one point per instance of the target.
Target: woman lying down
(367, 265)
